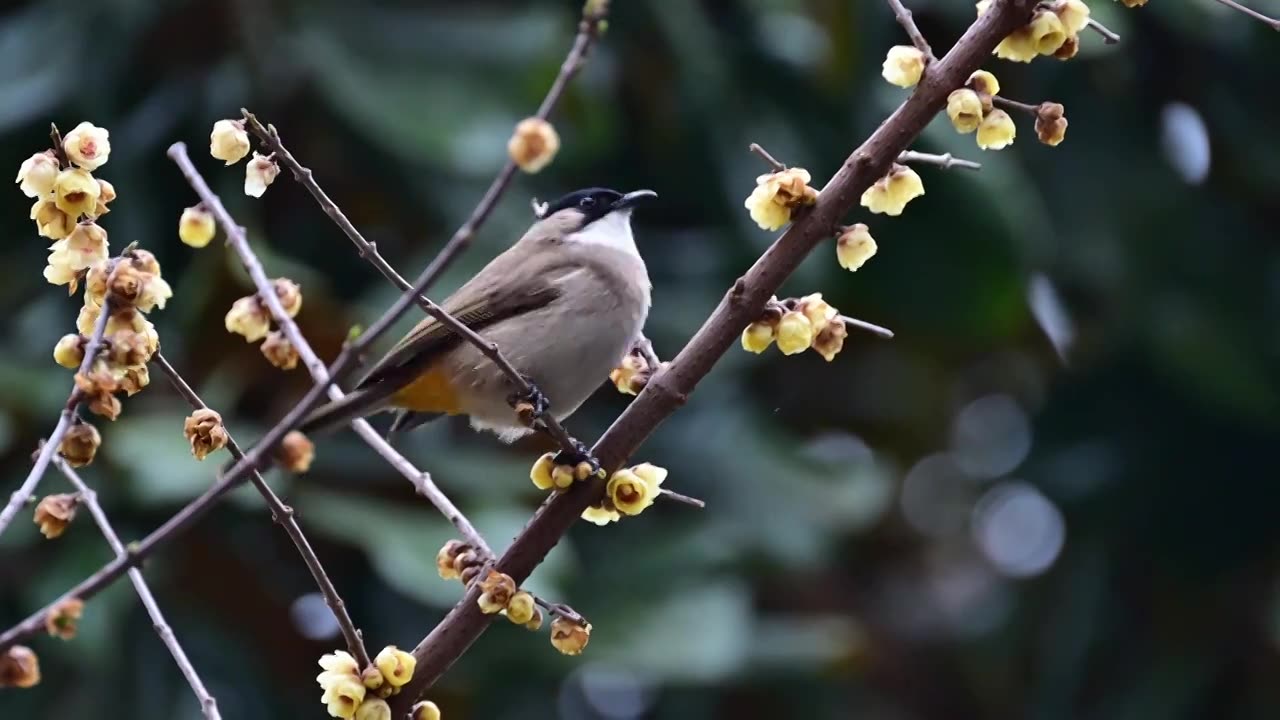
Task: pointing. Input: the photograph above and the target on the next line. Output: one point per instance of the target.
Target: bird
(564, 305)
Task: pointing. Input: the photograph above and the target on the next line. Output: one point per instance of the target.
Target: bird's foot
(531, 406)
(580, 459)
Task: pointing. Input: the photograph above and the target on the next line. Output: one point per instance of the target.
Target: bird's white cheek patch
(612, 230)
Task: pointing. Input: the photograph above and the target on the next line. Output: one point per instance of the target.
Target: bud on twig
(296, 452)
(204, 430)
(62, 620)
(54, 513)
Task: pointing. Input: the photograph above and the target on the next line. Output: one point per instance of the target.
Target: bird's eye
(587, 203)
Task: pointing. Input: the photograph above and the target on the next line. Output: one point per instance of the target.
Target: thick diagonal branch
(670, 388)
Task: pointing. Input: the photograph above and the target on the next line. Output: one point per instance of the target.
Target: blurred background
(1052, 495)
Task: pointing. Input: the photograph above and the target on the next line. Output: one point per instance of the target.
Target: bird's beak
(633, 198)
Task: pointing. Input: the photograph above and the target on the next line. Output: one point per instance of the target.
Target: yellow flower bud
(54, 513)
(260, 172)
(830, 341)
(891, 193)
(76, 192)
(1047, 32)
(290, 295)
(1051, 126)
(964, 107)
(540, 473)
(37, 174)
(19, 667)
(535, 622)
(296, 452)
(533, 145)
(777, 194)
(63, 619)
(343, 693)
(395, 665)
(1019, 46)
(51, 222)
(629, 494)
(425, 710)
(818, 311)
(372, 678)
(983, 83)
(87, 146)
(568, 637)
(520, 608)
(196, 227)
(757, 337)
(373, 709)
(204, 430)
(562, 476)
(228, 141)
(247, 317)
(69, 352)
(903, 66)
(496, 590)
(106, 193)
(1074, 15)
(80, 444)
(795, 333)
(600, 515)
(855, 247)
(279, 351)
(997, 131)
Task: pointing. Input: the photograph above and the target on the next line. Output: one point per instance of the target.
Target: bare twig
(1008, 104)
(741, 305)
(90, 500)
(369, 251)
(1108, 35)
(908, 23)
(944, 161)
(65, 420)
(764, 155)
(674, 496)
(323, 379)
(1272, 22)
(282, 514)
(884, 332)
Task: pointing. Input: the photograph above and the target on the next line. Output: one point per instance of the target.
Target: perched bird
(564, 304)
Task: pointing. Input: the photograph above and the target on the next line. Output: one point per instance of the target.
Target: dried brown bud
(130, 348)
(569, 637)
(205, 432)
(1051, 126)
(290, 295)
(54, 513)
(19, 667)
(106, 406)
(135, 378)
(144, 260)
(495, 592)
(80, 444)
(1069, 48)
(63, 618)
(469, 574)
(279, 351)
(296, 452)
(533, 145)
(125, 283)
(447, 556)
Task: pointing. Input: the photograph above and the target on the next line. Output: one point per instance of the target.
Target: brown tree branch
(47, 451)
(89, 498)
(282, 514)
(903, 15)
(1272, 22)
(670, 387)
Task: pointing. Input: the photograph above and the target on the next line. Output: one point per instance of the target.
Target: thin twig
(1008, 104)
(1108, 35)
(284, 515)
(1273, 22)
(266, 292)
(908, 23)
(369, 251)
(741, 305)
(764, 155)
(681, 498)
(945, 161)
(853, 322)
(65, 420)
(90, 500)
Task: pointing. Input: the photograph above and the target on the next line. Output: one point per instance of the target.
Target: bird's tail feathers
(357, 404)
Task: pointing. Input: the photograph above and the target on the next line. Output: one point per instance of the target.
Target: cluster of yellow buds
(533, 145)
(633, 374)
(229, 142)
(19, 667)
(903, 66)
(778, 195)
(972, 108)
(890, 194)
(250, 318)
(55, 512)
(352, 692)
(64, 618)
(547, 474)
(1054, 30)
(797, 325)
(630, 491)
(458, 560)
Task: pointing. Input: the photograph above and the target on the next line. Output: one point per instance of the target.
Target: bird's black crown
(593, 203)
